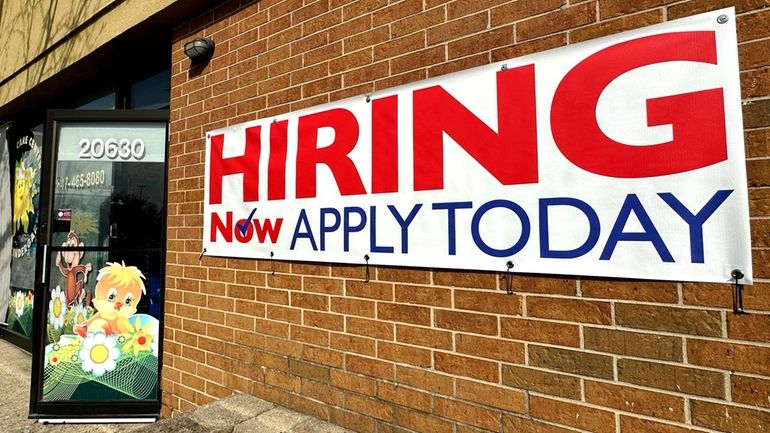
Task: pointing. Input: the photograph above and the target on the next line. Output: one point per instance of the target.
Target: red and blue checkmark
(245, 226)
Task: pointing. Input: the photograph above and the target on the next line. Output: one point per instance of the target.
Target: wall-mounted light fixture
(199, 50)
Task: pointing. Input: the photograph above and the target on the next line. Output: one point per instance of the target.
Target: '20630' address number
(112, 148)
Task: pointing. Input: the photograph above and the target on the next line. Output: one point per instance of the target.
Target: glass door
(24, 153)
(97, 348)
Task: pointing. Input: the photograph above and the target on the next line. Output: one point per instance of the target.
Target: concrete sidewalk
(238, 414)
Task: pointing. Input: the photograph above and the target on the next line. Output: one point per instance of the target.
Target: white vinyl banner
(617, 157)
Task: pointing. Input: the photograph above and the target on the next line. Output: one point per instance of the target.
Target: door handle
(44, 270)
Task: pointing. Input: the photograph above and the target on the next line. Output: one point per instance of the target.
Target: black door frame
(123, 409)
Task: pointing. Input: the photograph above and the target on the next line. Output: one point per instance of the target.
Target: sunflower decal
(99, 353)
(23, 191)
(57, 307)
(19, 303)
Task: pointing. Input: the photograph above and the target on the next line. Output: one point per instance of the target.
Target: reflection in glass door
(102, 270)
(25, 154)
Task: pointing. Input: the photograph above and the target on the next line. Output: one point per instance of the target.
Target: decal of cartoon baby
(117, 293)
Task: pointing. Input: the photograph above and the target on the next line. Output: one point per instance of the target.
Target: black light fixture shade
(199, 50)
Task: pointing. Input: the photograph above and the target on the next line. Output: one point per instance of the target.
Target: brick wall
(417, 350)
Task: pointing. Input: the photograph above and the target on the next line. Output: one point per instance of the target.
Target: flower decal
(57, 307)
(142, 340)
(99, 353)
(24, 189)
(18, 303)
(80, 315)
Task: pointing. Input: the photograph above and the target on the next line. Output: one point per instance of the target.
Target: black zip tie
(366, 269)
(737, 274)
(508, 277)
(200, 257)
(272, 262)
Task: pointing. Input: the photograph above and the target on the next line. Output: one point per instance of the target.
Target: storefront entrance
(100, 268)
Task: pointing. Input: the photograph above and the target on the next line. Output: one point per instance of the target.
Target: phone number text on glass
(112, 148)
(83, 180)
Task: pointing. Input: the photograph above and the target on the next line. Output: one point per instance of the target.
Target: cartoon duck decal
(118, 290)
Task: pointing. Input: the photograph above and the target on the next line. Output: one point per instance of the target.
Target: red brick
(490, 395)
(753, 26)
(329, 286)
(353, 382)
(403, 275)
(466, 322)
(488, 302)
(496, 38)
(465, 366)
(316, 319)
(353, 307)
(424, 337)
(404, 354)
(647, 291)
(553, 22)
(754, 54)
(403, 313)
(394, 47)
(369, 406)
(750, 390)
(309, 335)
(641, 345)
(524, 425)
(417, 59)
(395, 12)
(545, 382)
(350, 343)
(421, 422)
(474, 415)
(573, 310)
(370, 328)
(511, 12)
(654, 404)
(417, 22)
(405, 396)
(729, 418)
(618, 25)
(573, 415)
(423, 379)
(754, 327)
(669, 319)
(540, 331)
(491, 348)
(370, 367)
(458, 65)
(310, 301)
(522, 49)
(636, 425)
(323, 393)
(457, 28)
(351, 420)
(614, 8)
(420, 295)
(729, 356)
(370, 290)
(672, 378)
(571, 361)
